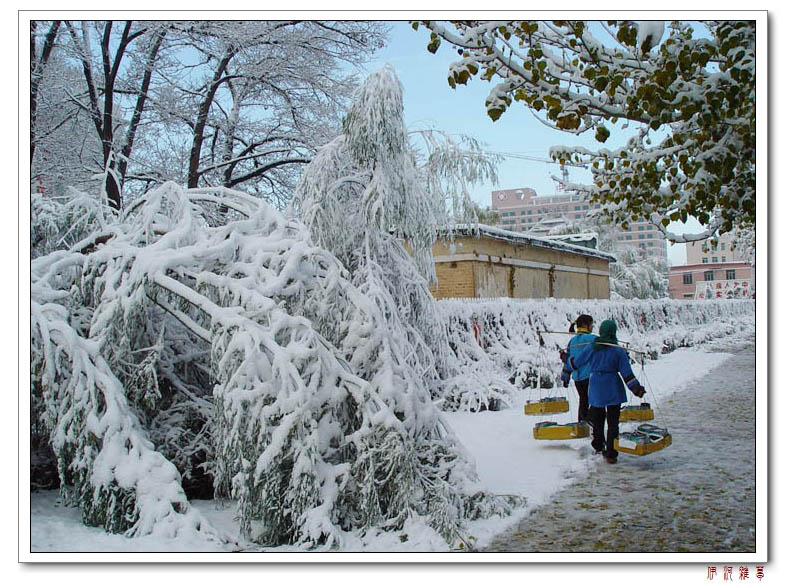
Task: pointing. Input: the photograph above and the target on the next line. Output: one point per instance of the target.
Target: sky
(429, 102)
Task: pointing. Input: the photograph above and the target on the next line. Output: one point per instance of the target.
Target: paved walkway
(698, 495)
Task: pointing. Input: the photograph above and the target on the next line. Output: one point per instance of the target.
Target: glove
(565, 383)
(638, 391)
(563, 355)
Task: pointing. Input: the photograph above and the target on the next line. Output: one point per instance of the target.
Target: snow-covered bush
(60, 223)
(204, 335)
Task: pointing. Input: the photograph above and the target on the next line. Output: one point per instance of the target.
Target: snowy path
(698, 495)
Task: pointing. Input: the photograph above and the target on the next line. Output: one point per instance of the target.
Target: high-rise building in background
(722, 251)
(522, 210)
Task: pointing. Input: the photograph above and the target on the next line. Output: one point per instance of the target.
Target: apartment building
(720, 251)
(710, 281)
(712, 271)
(522, 210)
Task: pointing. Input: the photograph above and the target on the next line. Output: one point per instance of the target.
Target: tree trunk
(122, 165)
(37, 66)
(199, 128)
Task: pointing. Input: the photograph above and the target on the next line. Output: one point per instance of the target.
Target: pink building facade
(712, 281)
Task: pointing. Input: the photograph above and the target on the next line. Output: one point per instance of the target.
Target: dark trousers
(582, 388)
(599, 417)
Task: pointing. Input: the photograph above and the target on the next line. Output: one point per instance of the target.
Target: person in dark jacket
(610, 374)
(583, 338)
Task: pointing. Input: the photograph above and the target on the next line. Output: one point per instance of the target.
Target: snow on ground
(696, 498)
(509, 461)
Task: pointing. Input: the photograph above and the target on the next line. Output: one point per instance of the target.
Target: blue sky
(429, 102)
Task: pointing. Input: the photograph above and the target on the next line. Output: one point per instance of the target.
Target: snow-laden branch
(107, 465)
(691, 97)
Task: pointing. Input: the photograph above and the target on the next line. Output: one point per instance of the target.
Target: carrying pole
(585, 343)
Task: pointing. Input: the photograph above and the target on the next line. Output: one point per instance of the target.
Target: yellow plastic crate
(645, 440)
(549, 430)
(641, 412)
(547, 406)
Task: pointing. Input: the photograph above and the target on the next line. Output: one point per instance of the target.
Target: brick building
(488, 262)
(522, 210)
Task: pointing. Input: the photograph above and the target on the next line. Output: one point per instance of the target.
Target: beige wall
(491, 268)
(456, 280)
(696, 251)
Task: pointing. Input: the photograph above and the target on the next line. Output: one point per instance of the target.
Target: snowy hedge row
(498, 340)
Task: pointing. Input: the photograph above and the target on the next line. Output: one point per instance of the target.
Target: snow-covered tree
(366, 198)
(41, 48)
(633, 276)
(115, 90)
(257, 100)
(685, 103)
(201, 340)
(204, 103)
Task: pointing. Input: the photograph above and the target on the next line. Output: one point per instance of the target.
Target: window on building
(649, 243)
(705, 260)
(723, 259)
(641, 235)
(641, 227)
(629, 237)
(723, 246)
(709, 276)
(715, 259)
(731, 274)
(687, 296)
(687, 278)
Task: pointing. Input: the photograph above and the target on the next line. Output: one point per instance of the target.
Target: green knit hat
(608, 334)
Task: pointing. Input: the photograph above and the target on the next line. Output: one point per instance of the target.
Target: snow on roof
(588, 236)
(521, 238)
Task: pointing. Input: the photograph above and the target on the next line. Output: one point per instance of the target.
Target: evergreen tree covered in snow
(368, 199)
(363, 198)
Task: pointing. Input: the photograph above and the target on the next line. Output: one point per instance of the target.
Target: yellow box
(547, 430)
(547, 406)
(641, 412)
(645, 440)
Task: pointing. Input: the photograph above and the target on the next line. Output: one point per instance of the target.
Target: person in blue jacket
(583, 338)
(610, 374)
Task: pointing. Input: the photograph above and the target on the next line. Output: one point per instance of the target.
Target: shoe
(611, 459)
